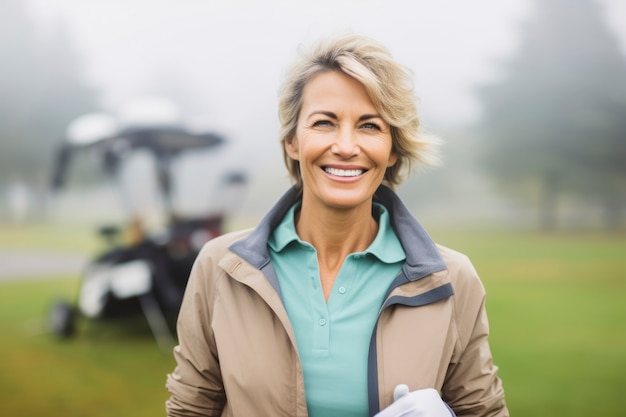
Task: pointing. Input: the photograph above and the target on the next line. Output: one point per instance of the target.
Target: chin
(342, 199)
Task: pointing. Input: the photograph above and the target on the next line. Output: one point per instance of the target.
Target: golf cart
(141, 272)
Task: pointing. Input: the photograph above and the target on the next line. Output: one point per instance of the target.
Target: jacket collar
(422, 255)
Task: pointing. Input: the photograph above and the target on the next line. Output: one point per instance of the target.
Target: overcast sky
(229, 54)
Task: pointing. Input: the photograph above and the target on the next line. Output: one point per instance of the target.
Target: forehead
(335, 88)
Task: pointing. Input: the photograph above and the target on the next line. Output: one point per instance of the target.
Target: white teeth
(344, 172)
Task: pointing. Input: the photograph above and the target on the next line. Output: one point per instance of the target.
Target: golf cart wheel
(62, 317)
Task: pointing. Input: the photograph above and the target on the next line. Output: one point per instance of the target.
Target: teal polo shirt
(333, 337)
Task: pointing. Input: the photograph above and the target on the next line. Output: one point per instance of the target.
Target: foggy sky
(231, 53)
(222, 61)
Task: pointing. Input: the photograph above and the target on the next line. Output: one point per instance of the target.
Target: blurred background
(528, 96)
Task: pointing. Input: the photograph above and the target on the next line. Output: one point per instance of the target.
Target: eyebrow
(334, 116)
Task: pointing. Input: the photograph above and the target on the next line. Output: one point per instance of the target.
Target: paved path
(16, 265)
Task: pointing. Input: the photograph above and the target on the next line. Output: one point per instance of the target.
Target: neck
(337, 233)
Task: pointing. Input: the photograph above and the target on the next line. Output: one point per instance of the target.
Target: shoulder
(454, 259)
(206, 266)
(219, 245)
(469, 295)
(462, 274)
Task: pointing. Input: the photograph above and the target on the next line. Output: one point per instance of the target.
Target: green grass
(556, 305)
(557, 311)
(109, 369)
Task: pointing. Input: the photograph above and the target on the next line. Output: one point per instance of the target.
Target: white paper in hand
(400, 391)
(420, 403)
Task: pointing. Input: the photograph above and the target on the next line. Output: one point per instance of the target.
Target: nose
(346, 143)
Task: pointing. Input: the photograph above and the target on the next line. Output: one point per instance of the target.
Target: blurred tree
(41, 90)
(555, 123)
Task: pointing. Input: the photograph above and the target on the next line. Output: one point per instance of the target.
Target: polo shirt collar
(386, 246)
(285, 232)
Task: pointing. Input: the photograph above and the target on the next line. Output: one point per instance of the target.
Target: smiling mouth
(344, 172)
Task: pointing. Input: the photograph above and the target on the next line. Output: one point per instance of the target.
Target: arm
(196, 384)
(472, 386)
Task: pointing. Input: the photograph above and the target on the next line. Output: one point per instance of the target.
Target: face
(342, 144)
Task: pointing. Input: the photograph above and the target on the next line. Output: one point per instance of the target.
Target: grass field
(557, 310)
(556, 305)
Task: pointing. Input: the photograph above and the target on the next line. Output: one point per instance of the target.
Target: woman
(338, 296)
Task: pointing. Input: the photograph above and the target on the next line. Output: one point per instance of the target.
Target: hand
(420, 403)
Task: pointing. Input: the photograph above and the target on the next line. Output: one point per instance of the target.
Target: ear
(291, 147)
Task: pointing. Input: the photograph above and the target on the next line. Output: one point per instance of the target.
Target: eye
(370, 126)
(322, 123)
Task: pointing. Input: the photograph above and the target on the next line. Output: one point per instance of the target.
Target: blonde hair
(388, 84)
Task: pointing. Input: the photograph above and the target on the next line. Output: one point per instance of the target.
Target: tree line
(553, 125)
(42, 90)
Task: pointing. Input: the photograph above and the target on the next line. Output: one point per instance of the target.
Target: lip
(344, 169)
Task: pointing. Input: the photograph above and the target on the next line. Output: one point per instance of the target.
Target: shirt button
(322, 322)
(342, 290)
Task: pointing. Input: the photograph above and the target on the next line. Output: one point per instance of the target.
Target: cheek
(310, 144)
(386, 156)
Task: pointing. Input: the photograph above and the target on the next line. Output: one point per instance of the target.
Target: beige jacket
(237, 353)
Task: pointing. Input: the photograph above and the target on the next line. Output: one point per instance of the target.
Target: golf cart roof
(102, 134)
(160, 140)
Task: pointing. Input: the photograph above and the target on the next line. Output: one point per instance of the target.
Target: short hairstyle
(388, 84)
